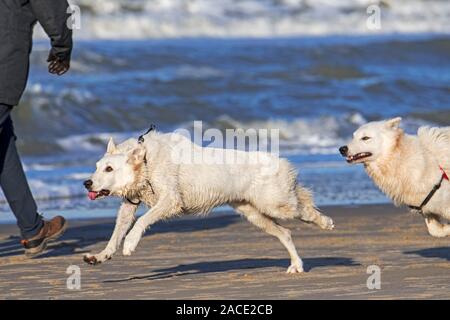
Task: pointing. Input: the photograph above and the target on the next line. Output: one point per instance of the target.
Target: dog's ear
(393, 123)
(111, 146)
(137, 155)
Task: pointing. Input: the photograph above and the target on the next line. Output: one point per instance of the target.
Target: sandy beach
(224, 257)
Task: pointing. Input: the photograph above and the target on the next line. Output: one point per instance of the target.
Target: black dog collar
(436, 187)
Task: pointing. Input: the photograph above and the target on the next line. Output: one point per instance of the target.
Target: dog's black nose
(343, 150)
(88, 184)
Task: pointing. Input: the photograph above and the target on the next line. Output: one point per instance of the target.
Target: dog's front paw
(131, 242)
(326, 223)
(91, 259)
(295, 268)
(96, 259)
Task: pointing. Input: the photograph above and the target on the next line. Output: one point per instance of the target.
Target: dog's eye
(365, 138)
(108, 169)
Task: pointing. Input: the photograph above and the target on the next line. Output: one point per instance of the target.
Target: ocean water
(315, 87)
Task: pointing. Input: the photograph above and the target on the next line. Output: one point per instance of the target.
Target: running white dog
(412, 170)
(163, 172)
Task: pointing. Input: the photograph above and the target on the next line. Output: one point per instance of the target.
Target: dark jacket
(17, 19)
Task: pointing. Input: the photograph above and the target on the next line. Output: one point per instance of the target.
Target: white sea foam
(90, 142)
(303, 135)
(79, 176)
(39, 167)
(124, 19)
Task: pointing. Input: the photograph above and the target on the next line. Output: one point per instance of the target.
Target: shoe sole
(34, 252)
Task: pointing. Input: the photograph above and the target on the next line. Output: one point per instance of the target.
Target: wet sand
(224, 257)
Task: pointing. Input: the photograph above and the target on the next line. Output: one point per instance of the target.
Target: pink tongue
(92, 195)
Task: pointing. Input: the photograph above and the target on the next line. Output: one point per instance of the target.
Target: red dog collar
(444, 174)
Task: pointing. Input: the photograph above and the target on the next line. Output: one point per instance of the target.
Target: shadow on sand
(241, 264)
(80, 237)
(440, 252)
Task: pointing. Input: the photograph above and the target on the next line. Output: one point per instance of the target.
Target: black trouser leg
(13, 180)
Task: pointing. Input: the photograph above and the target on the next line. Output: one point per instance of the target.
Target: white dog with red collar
(411, 170)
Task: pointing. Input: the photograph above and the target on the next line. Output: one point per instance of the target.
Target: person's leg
(13, 180)
(5, 111)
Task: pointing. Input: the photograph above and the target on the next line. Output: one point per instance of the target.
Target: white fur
(406, 167)
(260, 186)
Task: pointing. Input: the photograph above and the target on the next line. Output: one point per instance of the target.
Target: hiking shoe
(51, 230)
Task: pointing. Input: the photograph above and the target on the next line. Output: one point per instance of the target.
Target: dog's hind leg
(271, 227)
(125, 218)
(436, 228)
(308, 211)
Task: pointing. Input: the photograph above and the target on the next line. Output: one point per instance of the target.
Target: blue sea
(316, 89)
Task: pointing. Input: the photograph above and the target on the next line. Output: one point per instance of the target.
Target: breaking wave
(144, 19)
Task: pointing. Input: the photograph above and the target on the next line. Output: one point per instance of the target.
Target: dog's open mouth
(358, 156)
(97, 194)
